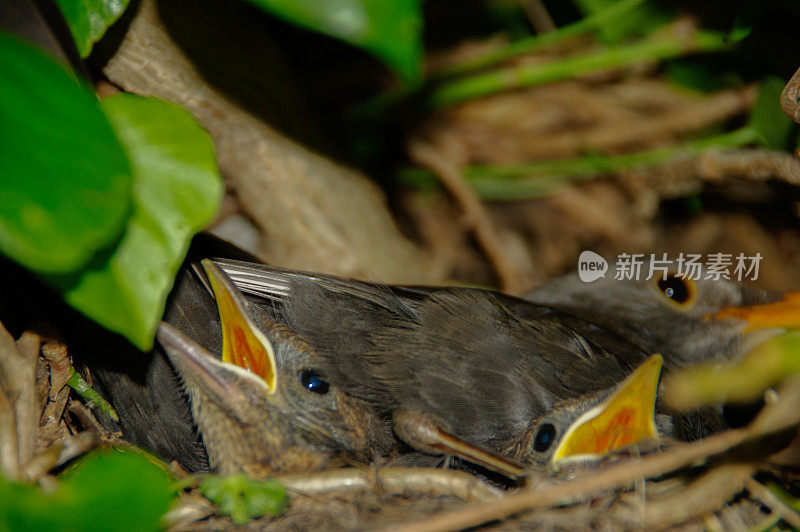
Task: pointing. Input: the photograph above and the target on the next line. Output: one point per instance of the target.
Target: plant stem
(531, 44)
(76, 382)
(380, 103)
(649, 50)
(525, 181)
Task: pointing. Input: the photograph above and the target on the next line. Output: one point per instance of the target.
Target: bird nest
(728, 481)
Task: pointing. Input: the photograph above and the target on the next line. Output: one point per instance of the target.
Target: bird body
(477, 367)
(477, 364)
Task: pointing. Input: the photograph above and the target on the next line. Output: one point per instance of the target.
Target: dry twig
(700, 497)
(477, 217)
(394, 480)
(18, 420)
(770, 500)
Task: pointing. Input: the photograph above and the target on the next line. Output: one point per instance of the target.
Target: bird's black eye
(678, 289)
(314, 382)
(544, 438)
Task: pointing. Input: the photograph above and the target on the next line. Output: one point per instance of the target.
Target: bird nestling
(589, 427)
(463, 371)
(687, 320)
(264, 407)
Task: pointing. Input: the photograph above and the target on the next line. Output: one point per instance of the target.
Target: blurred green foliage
(243, 498)
(88, 20)
(766, 126)
(177, 191)
(773, 127)
(64, 179)
(641, 21)
(101, 199)
(107, 490)
(392, 30)
(763, 367)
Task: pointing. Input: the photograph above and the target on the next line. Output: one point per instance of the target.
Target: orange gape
(781, 314)
(626, 417)
(247, 355)
(243, 343)
(602, 436)
(619, 432)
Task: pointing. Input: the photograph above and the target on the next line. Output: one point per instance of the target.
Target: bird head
(686, 318)
(265, 405)
(589, 427)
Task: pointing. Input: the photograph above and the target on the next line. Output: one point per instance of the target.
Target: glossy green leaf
(88, 20)
(767, 119)
(177, 190)
(243, 498)
(390, 29)
(64, 180)
(107, 490)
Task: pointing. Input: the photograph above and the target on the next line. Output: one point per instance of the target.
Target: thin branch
(397, 480)
(774, 503)
(540, 178)
(476, 214)
(529, 45)
(538, 16)
(702, 496)
(613, 58)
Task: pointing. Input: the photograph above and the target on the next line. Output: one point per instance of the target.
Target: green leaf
(390, 29)
(64, 179)
(767, 119)
(639, 22)
(88, 20)
(763, 367)
(107, 490)
(177, 190)
(243, 498)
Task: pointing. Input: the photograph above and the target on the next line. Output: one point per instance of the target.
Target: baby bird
(265, 407)
(687, 320)
(463, 371)
(585, 428)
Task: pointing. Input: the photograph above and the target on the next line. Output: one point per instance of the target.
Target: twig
(88, 420)
(532, 44)
(478, 218)
(27, 404)
(540, 178)
(59, 454)
(703, 496)
(623, 133)
(649, 50)
(753, 164)
(18, 378)
(538, 16)
(773, 419)
(773, 502)
(378, 105)
(94, 400)
(397, 480)
(9, 456)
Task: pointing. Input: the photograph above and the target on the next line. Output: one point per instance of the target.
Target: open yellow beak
(783, 314)
(624, 418)
(243, 343)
